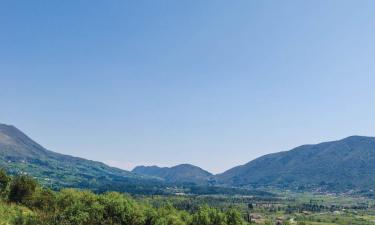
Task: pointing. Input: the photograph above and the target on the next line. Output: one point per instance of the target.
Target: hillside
(184, 173)
(20, 154)
(338, 165)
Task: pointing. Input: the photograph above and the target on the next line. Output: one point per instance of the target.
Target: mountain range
(20, 154)
(183, 173)
(341, 165)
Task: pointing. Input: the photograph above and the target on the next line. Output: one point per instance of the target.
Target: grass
(10, 211)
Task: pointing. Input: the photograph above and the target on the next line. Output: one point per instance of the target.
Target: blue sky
(212, 83)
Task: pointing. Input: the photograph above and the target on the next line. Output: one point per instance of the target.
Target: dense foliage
(25, 202)
(32, 204)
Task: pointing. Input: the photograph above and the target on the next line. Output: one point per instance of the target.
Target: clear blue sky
(212, 83)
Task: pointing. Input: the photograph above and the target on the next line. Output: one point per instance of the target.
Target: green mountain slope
(184, 173)
(20, 154)
(337, 165)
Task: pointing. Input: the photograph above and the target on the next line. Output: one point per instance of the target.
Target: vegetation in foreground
(25, 202)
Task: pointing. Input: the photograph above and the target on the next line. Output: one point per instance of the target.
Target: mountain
(347, 164)
(338, 165)
(20, 154)
(184, 173)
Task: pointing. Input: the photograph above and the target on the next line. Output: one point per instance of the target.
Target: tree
(234, 217)
(168, 215)
(209, 216)
(121, 209)
(4, 181)
(202, 217)
(22, 188)
(78, 208)
(44, 199)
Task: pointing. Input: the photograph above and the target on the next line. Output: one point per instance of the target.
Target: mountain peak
(19, 153)
(10, 130)
(346, 163)
(357, 138)
(182, 173)
(5, 125)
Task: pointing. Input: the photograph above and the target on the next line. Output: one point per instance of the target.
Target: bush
(75, 207)
(39, 206)
(43, 199)
(234, 217)
(119, 209)
(168, 215)
(21, 189)
(209, 216)
(4, 181)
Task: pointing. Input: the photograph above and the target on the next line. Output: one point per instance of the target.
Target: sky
(211, 83)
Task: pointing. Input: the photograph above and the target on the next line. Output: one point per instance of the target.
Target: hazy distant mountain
(343, 164)
(20, 154)
(338, 165)
(184, 173)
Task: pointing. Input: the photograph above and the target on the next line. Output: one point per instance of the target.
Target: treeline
(79, 207)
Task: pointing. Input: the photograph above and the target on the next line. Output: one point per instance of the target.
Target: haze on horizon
(202, 82)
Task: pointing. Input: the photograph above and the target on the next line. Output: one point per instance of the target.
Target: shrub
(4, 181)
(21, 189)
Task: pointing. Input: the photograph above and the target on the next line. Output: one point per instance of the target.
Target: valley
(328, 183)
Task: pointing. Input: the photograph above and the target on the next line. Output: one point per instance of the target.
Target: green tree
(202, 217)
(44, 199)
(4, 181)
(209, 216)
(75, 207)
(120, 209)
(168, 215)
(234, 217)
(22, 188)
(216, 217)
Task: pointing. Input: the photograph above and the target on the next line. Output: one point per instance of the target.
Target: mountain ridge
(335, 164)
(343, 164)
(182, 173)
(21, 154)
